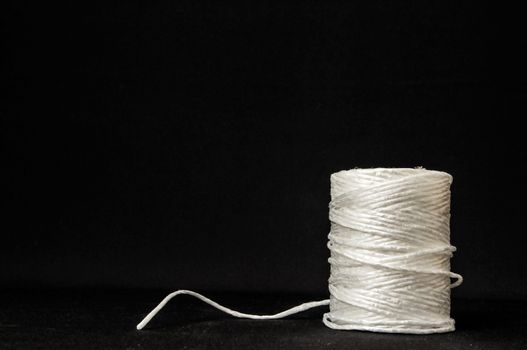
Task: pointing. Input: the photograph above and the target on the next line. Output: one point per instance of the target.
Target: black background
(171, 144)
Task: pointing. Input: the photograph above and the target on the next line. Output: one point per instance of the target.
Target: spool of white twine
(390, 254)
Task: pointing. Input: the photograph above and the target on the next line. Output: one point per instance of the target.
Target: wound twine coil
(390, 254)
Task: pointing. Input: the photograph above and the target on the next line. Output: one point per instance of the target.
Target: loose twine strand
(390, 254)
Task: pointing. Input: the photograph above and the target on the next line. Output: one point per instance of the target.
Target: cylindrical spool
(390, 251)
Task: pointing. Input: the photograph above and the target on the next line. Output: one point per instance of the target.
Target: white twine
(390, 254)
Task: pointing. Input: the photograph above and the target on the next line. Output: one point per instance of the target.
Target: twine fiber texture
(390, 254)
(390, 251)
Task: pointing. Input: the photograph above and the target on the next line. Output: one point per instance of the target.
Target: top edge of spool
(378, 171)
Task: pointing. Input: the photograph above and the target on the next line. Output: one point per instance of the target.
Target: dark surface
(107, 319)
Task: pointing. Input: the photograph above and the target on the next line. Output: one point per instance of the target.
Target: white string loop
(291, 311)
